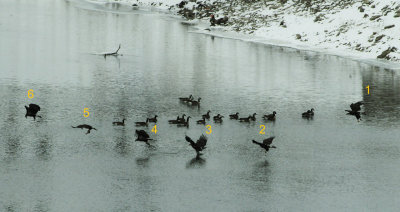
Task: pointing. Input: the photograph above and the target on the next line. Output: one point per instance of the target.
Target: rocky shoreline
(368, 27)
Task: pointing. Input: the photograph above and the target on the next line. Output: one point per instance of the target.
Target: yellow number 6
(86, 112)
(30, 93)
(262, 129)
(209, 129)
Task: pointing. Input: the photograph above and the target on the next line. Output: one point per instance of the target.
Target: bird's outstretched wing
(260, 144)
(268, 141)
(142, 134)
(188, 139)
(202, 141)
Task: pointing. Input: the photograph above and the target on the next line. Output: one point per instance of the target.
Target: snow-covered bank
(367, 28)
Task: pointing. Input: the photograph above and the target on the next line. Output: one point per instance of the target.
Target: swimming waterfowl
(118, 123)
(178, 120)
(142, 123)
(308, 114)
(245, 119)
(218, 118)
(234, 116)
(184, 123)
(143, 136)
(266, 144)
(270, 117)
(194, 102)
(185, 99)
(207, 115)
(200, 145)
(153, 119)
(32, 111)
(85, 126)
(253, 117)
(202, 121)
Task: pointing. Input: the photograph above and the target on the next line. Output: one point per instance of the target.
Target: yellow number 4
(154, 130)
(30, 93)
(86, 112)
(209, 129)
(262, 129)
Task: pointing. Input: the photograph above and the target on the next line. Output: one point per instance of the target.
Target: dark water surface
(329, 163)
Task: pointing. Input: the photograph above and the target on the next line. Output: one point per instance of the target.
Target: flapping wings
(268, 141)
(202, 141)
(188, 139)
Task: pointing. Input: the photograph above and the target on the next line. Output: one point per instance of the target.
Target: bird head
(274, 112)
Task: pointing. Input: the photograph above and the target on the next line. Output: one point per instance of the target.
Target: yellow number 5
(262, 129)
(86, 112)
(209, 129)
(30, 93)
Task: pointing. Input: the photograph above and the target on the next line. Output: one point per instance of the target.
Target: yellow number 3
(262, 129)
(86, 112)
(30, 93)
(209, 129)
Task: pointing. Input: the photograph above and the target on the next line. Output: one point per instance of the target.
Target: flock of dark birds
(201, 143)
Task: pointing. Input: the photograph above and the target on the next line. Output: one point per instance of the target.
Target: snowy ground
(363, 28)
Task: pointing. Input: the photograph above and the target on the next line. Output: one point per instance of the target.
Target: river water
(330, 163)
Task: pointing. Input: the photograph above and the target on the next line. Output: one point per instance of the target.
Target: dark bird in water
(220, 21)
(355, 110)
(270, 117)
(207, 115)
(253, 117)
(245, 119)
(186, 99)
(177, 120)
(134, 5)
(356, 106)
(154, 120)
(266, 144)
(234, 116)
(308, 114)
(85, 126)
(142, 123)
(200, 145)
(143, 136)
(218, 118)
(202, 121)
(32, 110)
(118, 123)
(184, 123)
(194, 102)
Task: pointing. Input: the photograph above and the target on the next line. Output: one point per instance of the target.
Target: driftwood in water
(113, 53)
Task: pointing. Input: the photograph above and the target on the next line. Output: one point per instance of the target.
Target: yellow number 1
(154, 130)
(30, 93)
(262, 129)
(367, 88)
(209, 129)
(86, 112)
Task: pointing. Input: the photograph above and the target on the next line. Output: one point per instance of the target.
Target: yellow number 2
(209, 129)
(367, 89)
(30, 93)
(86, 112)
(154, 129)
(262, 129)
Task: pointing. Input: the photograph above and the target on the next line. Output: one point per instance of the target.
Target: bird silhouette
(308, 114)
(234, 116)
(154, 120)
(142, 124)
(118, 123)
(143, 136)
(202, 121)
(270, 117)
(85, 126)
(32, 111)
(185, 99)
(200, 145)
(266, 144)
(207, 115)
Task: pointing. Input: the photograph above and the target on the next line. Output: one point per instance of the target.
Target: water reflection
(196, 162)
(43, 148)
